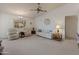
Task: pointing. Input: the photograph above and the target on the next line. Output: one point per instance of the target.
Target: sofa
(13, 34)
(44, 33)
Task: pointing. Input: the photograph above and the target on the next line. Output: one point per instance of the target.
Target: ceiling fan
(39, 9)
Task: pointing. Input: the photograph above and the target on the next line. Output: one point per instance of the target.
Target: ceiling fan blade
(38, 9)
(38, 3)
(33, 9)
(43, 10)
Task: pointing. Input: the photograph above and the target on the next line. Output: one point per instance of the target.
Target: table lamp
(58, 27)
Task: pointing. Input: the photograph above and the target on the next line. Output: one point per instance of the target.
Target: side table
(57, 36)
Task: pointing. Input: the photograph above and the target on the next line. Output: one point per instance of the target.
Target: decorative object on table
(33, 31)
(21, 34)
(19, 23)
(57, 28)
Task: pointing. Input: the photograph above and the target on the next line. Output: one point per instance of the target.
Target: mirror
(19, 23)
(47, 21)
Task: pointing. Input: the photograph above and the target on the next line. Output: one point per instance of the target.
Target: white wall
(52, 26)
(6, 22)
(57, 16)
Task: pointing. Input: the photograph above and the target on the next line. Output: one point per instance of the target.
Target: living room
(29, 28)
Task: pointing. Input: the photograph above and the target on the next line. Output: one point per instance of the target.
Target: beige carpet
(35, 45)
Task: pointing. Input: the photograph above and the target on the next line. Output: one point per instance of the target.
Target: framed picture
(19, 23)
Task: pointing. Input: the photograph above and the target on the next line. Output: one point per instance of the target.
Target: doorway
(71, 27)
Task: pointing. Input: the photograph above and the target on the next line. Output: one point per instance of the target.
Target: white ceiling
(24, 9)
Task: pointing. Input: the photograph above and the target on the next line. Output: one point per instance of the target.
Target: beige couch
(13, 34)
(44, 33)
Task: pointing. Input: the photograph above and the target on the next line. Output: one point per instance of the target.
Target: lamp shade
(57, 27)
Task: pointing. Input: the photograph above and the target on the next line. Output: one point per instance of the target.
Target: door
(71, 26)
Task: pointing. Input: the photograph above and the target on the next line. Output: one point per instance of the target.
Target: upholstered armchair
(1, 48)
(13, 34)
(77, 39)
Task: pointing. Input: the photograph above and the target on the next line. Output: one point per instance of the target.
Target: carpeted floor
(35, 45)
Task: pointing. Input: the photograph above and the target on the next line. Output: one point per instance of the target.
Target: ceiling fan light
(39, 9)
